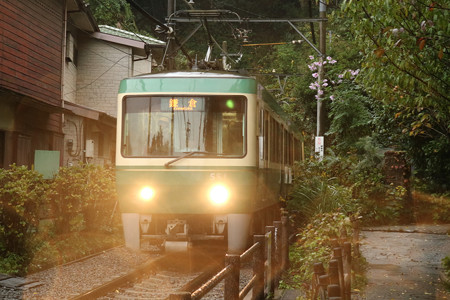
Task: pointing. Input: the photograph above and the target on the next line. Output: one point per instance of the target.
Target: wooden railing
(268, 256)
(336, 283)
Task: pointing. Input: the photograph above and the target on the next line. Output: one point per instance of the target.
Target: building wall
(79, 130)
(101, 66)
(69, 90)
(74, 132)
(31, 33)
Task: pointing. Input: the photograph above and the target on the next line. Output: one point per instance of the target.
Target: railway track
(160, 277)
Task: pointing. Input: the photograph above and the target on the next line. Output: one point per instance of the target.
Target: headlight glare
(147, 193)
(219, 194)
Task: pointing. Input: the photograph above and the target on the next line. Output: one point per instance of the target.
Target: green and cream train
(200, 156)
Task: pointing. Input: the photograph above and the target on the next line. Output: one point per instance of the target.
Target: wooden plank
(31, 50)
(9, 81)
(37, 10)
(35, 20)
(37, 68)
(23, 79)
(30, 43)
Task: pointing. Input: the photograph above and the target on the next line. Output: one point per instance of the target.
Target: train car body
(199, 156)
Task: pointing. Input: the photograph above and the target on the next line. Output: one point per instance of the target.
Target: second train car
(200, 155)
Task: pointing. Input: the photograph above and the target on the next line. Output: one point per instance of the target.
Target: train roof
(194, 74)
(189, 82)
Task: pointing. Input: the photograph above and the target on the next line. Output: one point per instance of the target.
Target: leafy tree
(406, 65)
(115, 13)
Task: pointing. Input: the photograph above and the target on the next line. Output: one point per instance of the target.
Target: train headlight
(219, 194)
(147, 193)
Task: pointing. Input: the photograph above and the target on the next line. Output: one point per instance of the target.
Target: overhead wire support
(214, 19)
(213, 16)
(145, 13)
(309, 43)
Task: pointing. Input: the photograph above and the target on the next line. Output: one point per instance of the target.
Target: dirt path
(405, 261)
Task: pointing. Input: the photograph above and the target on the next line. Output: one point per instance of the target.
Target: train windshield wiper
(167, 164)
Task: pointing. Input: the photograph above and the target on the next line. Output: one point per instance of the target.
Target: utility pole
(319, 140)
(170, 37)
(322, 49)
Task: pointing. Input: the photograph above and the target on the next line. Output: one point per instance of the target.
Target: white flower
(311, 57)
(315, 75)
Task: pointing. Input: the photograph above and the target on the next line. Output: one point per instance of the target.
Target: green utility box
(46, 162)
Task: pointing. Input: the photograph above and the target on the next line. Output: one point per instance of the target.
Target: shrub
(21, 196)
(446, 267)
(315, 244)
(82, 197)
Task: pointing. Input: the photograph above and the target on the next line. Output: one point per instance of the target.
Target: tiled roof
(129, 35)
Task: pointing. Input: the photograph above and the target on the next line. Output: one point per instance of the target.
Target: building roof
(129, 35)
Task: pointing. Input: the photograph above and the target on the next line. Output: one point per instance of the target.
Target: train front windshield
(161, 126)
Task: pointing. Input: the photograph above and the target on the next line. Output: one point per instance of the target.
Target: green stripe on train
(186, 192)
(188, 85)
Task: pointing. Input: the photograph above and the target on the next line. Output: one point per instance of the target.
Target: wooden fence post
(258, 267)
(333, 272)
(277, 257)
(232, 280)
(334, 291)
(324, 281)
(270, 265)
(337, 255)
(319, 270)
(348, 270)
(284, 241)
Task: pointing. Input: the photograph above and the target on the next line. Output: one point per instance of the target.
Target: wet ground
(405, 262)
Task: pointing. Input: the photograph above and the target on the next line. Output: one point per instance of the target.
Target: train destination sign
(185, 103)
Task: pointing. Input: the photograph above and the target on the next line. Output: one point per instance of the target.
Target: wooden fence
(268, 256)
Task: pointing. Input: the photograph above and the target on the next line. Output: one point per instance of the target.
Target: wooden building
(54, 63)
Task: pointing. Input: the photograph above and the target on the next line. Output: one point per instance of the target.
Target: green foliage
(317, 191)
(446, 266)
(350, 183)
(12, 263)
(431, 208)
(405, 65)
(83, 197)
(116, 13)
(351, 116)
(315, 244)
(21, 196)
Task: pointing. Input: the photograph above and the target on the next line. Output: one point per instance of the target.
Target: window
(161, 126)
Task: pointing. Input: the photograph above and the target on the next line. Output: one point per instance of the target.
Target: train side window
(266, 136)
(287, 137)
(272, 155)
(280, 143)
